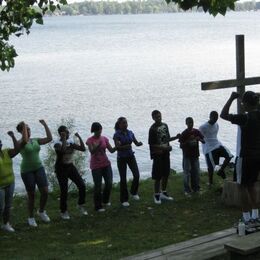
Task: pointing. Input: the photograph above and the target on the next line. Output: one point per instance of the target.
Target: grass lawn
(118, 232)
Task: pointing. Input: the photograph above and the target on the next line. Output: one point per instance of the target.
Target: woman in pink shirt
(100, 166)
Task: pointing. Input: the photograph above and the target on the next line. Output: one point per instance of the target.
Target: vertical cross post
(240, 64)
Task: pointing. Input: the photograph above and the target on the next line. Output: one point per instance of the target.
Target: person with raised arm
(100, 166)
(123, 139)
(65, 170)
(7, 180)
(33, 172)
(248, 161)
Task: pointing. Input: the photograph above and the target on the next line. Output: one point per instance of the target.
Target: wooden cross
(240, 82)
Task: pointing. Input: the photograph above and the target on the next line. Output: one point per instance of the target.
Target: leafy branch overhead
(213, 7)
(18, 16)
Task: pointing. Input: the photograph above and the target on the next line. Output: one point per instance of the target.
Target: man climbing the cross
(248, 163)
(212, 148)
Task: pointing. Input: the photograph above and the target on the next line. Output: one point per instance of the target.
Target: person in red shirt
(189, 143)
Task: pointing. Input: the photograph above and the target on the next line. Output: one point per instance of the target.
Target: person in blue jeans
(100, 166)
(189, 143)
(123, 139)
(7, 181)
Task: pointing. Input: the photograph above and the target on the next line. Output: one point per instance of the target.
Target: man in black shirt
(248, 163)
(159, 141)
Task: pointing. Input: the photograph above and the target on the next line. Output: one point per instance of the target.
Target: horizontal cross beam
(230, 83)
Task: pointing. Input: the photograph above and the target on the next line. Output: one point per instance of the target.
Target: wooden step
(204, 247)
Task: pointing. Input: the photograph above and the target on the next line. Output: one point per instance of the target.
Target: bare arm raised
(225, 110)
(48, 137)
(14, 151)
(81, 146)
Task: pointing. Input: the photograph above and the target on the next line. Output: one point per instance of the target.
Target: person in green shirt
(32, 171)
(7, 181)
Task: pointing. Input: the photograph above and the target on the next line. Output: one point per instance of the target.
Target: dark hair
(213, 113)
(119, 120)
(188, 118)
(61, 129)
(19, 127)
(155, 112)
(250, 98)
(96, 126)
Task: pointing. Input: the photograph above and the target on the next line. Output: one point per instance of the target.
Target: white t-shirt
(68, 142)
(210, 133)
(68, 155)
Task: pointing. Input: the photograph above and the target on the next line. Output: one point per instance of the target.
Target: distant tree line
(136, 7)
(113, 7)
(247, 6)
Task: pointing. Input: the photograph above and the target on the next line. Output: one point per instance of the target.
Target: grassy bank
(118, 232)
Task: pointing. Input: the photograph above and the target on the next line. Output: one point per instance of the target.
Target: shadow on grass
(119, 231)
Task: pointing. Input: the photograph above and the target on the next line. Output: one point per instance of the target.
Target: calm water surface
(98, 68)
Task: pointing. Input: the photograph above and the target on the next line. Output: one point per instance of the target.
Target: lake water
(98, 68)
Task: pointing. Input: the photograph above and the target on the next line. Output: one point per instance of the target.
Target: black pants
(100, 197)
(122, 165)
(65, 172)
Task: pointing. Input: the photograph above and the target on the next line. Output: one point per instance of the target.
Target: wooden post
(240, 63)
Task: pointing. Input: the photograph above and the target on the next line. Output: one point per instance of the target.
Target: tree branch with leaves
(17, 18)
(213, 7)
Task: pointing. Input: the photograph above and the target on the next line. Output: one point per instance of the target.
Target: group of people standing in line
(32, 170)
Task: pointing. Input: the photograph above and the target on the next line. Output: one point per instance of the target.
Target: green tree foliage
(18, 16)
(214, 7)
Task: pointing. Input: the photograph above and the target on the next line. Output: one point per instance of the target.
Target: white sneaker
(187, 194)
(65, 215)
(7, 227)
(101, 210)
(32, 222)
(82, 210)
(135, 197)
(164, 196)
(108, 204)
(157, 199)
(44, 217)
(125, 204)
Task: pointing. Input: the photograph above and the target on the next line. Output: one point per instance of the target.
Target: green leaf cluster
(213, 7)
(17, 18)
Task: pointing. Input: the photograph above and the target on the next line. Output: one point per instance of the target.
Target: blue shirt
(124, 139)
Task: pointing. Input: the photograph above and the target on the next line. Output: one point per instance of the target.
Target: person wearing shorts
(32, 171)
(248, 161)
(213, 148)
(159, 142)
